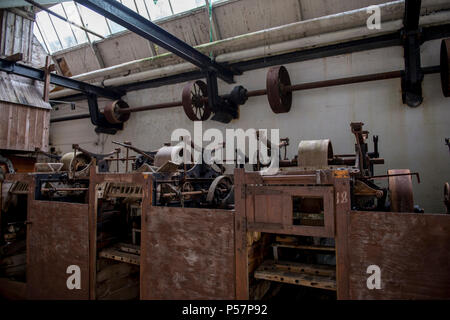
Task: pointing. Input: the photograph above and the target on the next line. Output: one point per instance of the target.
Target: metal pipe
(261, 92)
(63, 189)
(297, 87)
(69, 118)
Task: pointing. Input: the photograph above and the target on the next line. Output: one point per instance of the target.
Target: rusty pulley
(195, 101)
(112, 113)
(278, 90)
(277, 82)
(445, 67)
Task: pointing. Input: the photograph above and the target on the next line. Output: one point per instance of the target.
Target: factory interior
(224, 150)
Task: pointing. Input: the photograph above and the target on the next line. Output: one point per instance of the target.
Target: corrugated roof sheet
(19, 90)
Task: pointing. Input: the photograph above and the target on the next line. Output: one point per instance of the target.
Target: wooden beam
(47, 78)
(15, 57)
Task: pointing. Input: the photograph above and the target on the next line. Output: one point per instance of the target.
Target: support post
(412, 39)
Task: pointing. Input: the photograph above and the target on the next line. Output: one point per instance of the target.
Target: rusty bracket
(412, 39)
(98, 119)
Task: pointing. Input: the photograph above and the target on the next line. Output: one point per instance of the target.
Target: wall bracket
(412, 39)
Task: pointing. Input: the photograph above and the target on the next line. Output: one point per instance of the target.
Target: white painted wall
(409, 138)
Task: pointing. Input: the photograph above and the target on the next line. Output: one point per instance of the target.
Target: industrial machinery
(294, 218)
(196, 99)
(177, 183)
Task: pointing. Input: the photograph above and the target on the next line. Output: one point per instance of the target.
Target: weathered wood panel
(270, 209)
(16, 33)
(57, 237)
(412, 251)
(23, 128)
(188, 254)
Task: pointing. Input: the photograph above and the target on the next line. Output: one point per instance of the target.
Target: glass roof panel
(159, 9)
(185, 5)
(72, 15)
(63, 29)
(95, 22)
(66, 36)
(48, 32)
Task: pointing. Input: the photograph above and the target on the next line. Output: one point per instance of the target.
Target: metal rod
(261, 92)
(62, 18)
(63, 189)
(343, 81)
(297, 87)
(395, 175)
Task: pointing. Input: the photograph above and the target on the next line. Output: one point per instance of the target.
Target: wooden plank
(15, 57)
(12, 128)
(9, 33)
(18, 28)
(121, 256)
(240, 235)
(304, 247)
(21, 128)
(188, 254)
(45, 130)
(32, 128)
(411, 250)
(4, 124)
(57, 237)
(274, 272)
(130, 248)
(342, 209)
(312, 269)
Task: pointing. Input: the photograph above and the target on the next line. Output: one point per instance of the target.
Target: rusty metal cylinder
(314, 154)
(169, 153)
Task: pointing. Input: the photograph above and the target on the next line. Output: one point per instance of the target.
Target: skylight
(55, 34)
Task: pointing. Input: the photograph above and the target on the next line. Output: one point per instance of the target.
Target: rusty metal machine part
(8, 164)
(277, 83)
(221, 192)
(314, 153)
(112, 113)
(445, 67)
(76, 162)
(401, 191)
(169, 153)
(195, 102)
(278, 90)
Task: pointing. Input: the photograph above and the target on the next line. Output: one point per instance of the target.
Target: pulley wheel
(280, 100)
(221, 191)
(445, 67)
(112, 113)
(193, 100)
(401, 191)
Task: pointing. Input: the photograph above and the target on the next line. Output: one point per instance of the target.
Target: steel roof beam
(134, 22)
(37, 74)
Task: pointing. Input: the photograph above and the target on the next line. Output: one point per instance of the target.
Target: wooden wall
(16, 33)
(187, 253)
(57, 237)
(412, 251)
(23, 128)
